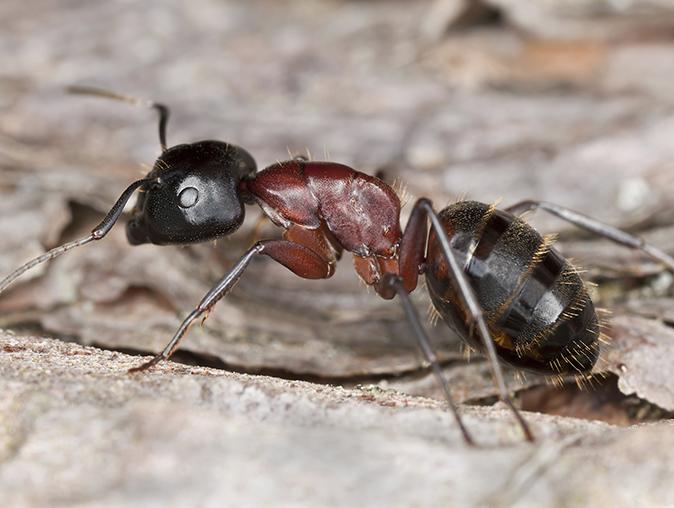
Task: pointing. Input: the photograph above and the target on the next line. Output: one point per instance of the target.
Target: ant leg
(162, 109)
(298, 258)
(96, 234)
(599, 228)
(218, 291)
(475, 310)
(425, 346)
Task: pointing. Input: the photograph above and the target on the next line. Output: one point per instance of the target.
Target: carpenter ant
(495, 280)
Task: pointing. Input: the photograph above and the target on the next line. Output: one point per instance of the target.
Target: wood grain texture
(76, 429)
(512, 109)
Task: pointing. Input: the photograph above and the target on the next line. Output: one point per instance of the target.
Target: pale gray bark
(569, 102)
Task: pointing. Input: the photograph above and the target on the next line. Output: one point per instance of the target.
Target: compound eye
(188, 197)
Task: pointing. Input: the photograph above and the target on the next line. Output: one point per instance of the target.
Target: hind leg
(597, 227)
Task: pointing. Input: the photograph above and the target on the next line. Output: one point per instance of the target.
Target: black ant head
(191, 195)
(194, 195)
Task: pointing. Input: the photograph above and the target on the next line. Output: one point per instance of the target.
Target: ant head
(193, 195)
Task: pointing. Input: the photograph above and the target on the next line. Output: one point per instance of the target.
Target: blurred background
(569, 101)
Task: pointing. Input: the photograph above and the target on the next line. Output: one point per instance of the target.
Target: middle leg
(411, 255)
(427, 350)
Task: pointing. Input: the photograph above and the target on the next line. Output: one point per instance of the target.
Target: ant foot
(146, 365)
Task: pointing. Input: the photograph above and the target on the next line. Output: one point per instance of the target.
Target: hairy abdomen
(537, 307)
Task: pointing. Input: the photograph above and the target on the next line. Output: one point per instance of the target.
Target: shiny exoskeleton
(191, 195)
(538, 310)
(494, 279)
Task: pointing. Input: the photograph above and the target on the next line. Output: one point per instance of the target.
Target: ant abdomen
(537, 308)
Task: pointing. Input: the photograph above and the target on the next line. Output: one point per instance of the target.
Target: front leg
(298, 258)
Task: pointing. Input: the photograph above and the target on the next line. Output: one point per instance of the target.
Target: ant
(493, 278)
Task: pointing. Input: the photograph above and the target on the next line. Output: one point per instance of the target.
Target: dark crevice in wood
(205, 360)
(603, 402)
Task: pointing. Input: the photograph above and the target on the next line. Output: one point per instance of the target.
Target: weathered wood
(549, 103)
(77, 429)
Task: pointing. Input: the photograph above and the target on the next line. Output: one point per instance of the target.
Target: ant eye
(188, 197)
